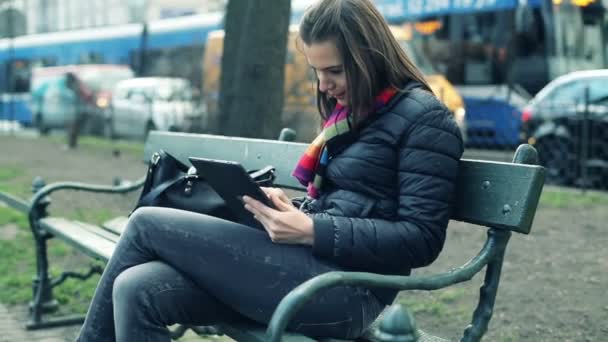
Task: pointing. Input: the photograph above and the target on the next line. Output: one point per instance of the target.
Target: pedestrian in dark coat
(381, 183)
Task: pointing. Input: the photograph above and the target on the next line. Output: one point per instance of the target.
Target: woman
(381, 180)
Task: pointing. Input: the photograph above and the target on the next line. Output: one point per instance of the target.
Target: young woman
(381, 182)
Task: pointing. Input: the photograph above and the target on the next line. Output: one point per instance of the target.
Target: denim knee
(141, 222)
(139, 218)
(134, 294)
(127, 289)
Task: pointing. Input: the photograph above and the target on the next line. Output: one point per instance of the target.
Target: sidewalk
(12, 328)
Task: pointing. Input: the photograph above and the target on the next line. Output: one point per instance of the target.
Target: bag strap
(262, 171)
(151, 196)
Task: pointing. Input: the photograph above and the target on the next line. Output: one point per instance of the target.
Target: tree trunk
(253, 67)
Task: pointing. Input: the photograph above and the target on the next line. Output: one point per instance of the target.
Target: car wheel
(558, 156)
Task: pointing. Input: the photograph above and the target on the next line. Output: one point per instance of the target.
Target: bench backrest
(492, 194)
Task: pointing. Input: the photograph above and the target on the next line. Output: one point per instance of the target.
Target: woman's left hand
(285, 224)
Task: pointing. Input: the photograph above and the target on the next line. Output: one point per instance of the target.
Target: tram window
(19, 74)
(90, 58)
(43, 62)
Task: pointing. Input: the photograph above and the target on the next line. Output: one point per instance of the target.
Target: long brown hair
(373, 59)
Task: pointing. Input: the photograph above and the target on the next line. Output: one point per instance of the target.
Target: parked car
(567, 121)
(142, 104)
(53, 103)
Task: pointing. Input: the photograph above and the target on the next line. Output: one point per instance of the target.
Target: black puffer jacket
(387, 197)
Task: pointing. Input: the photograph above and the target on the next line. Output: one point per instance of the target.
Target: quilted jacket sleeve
(428, 154)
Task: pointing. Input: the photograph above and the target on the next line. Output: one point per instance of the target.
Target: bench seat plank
(85, 237)
(14, 202)
(116, 225)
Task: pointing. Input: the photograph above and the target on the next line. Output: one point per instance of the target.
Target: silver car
(142, 104)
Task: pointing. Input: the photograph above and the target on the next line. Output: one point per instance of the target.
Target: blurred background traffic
(510, 71)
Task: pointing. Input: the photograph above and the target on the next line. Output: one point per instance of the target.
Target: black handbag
(172, 184)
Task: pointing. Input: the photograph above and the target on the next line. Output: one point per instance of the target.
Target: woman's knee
(141, 216)
(142, 220)
(129, 287)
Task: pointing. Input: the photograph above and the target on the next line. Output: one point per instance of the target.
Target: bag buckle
(155, 158)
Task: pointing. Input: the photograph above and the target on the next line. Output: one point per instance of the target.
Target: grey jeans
(172, 266)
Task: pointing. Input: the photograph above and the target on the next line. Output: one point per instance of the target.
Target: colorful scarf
(337, 130)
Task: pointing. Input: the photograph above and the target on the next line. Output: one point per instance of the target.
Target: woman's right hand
(278, 194)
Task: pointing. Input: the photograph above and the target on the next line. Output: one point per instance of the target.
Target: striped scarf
(337, 131)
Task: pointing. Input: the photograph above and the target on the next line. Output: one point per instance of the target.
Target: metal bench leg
(483, 313)
(41, 289)
(46, 286)
(42, 285)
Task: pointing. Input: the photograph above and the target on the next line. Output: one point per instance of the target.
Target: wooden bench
(500, 196)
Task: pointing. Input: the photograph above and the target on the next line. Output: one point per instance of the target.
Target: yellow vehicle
(300, 111)
(443, 89)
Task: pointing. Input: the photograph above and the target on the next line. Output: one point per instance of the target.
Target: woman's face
(326, 61)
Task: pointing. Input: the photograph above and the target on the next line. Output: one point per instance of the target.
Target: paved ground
(12, 323)
(12, 329)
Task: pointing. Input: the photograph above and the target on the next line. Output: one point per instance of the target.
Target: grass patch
(18, 260)
(18, 267)
(10, 181)
(21, 190)
(446, 303)
(556, 198)
(8, 173)
(8, 215)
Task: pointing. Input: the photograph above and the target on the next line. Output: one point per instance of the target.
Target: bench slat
(499, 195)
(98, 231)
(79, 235)
(116, 225)
(14, 202)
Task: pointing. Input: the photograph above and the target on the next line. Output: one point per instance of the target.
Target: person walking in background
(381, 181)
(80, 97)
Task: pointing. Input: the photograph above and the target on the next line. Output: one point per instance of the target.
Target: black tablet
(231, 181)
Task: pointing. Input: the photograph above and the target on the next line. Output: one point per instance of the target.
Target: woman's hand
(277, 193)
(285, 224)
